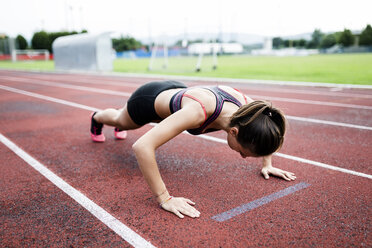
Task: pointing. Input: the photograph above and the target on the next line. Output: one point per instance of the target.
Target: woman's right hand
(181, 206)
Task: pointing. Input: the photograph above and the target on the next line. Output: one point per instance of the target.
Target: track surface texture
(107, 203)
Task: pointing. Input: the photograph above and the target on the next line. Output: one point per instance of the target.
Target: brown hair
(261, 127)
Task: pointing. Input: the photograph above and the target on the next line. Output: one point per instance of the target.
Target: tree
(328, 41)
(44, 40)
(366, 36)
(287, 43)
(196, 41)
(346, 38)
(277, 42)
(316, 38)
(53, 36)
(178, 43)
(40, 40)
(4, 48)
(301, 43)
(21, 41)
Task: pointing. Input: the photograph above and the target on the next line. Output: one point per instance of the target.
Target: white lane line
(298, 159)
(313, 92)
(48, 98)
(229, 80)
(340, 124)
(334, 104)
(332, 123)
(259, 202)
(72, 80)
(127, 94)
(331, 167)
(89, 80)
(194, 78)
(114, 224)
(69, 86)
(327, 166)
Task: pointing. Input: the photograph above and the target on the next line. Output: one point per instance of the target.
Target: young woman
(254, 128)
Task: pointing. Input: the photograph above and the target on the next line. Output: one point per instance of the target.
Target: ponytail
(261, 127)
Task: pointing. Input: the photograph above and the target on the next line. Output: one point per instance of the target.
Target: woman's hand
(180, 206)
(269, 170)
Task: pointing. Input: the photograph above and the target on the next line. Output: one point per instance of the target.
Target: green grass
(28, 65)
(340, 68)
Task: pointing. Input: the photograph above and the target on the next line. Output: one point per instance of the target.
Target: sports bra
(221, 97)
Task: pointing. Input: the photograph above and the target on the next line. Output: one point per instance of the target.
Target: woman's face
(232, 141)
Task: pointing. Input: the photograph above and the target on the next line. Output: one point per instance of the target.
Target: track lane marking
(69, 86)
(126, 94)
(49, 98)
(122, 93)
(298, 159)
(114, 224)
(84, 80)
(331, 123)
(314, 92)
(109, 81)
(323, 165)
(259, 202)
(313, 102)
(236, 80)
(211, 138)
(194, 78)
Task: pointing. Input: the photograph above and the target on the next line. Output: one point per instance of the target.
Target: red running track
(333, 211)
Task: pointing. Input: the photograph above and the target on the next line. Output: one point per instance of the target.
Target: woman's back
(210, 98)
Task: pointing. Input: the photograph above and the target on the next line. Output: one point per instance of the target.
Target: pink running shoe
(96, 130)
(120, 135)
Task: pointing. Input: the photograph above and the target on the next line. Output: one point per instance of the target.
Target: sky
(151, 18)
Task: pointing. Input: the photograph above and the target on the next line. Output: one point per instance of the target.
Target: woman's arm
(190, 116)
(268, 169)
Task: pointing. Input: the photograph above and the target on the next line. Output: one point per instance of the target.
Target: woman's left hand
(269, 170)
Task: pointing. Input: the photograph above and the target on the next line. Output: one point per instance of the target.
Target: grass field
(340, 68)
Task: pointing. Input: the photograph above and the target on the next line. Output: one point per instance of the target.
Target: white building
(210, 48)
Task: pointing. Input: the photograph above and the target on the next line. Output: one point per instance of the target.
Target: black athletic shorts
(141, 105)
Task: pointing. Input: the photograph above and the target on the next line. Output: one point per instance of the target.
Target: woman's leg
(116, 118)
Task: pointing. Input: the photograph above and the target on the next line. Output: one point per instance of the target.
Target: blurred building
(291, 51)
(210, 48)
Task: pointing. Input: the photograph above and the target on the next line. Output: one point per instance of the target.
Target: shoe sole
(121, 135)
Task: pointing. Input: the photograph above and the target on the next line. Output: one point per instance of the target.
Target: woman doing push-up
(254, 128)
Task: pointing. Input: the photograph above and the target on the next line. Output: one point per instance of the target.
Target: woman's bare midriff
(162, 102)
